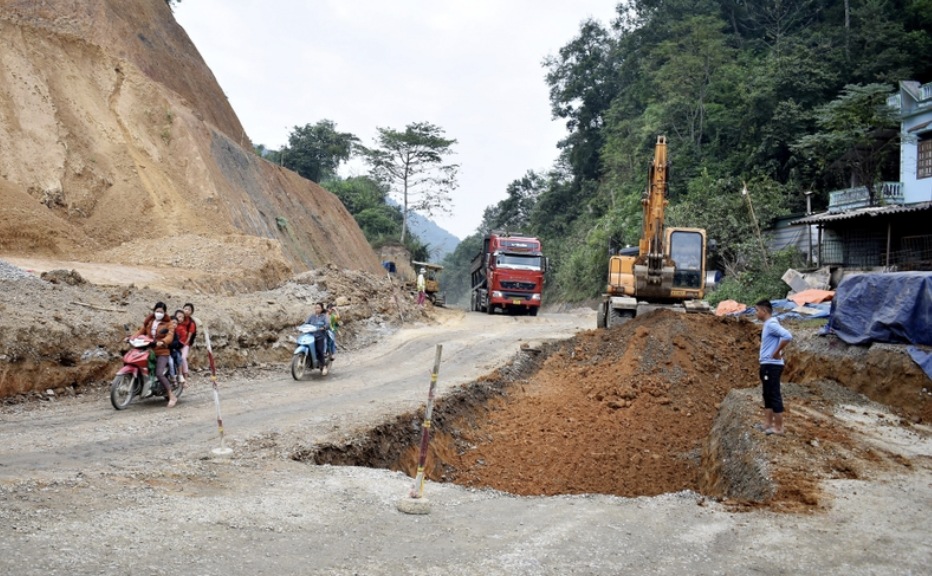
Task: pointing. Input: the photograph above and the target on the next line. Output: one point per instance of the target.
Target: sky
(472, 67)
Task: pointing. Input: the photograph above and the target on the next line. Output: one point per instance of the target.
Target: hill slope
(114, 133)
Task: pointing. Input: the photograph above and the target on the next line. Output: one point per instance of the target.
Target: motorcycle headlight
(497, 294)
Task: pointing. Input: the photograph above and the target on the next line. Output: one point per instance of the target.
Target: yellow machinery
(431, 282)
(667, 269)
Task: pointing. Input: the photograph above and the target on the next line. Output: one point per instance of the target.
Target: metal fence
(866, 249)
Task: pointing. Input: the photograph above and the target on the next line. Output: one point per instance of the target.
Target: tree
(412, 164)
(858, 132)
(514, 212)
(315, 151)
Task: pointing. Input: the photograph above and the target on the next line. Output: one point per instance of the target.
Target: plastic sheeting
(894, 308)
(812, 296)
(922, 358)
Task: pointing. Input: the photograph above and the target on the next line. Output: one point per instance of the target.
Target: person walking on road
(774, 338)
(421, 287)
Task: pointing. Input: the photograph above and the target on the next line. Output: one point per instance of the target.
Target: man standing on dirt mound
(774, 338)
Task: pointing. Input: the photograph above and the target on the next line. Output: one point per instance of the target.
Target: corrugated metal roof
(862, 212)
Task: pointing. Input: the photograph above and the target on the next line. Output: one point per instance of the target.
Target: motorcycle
(305, 355)
(134, 379)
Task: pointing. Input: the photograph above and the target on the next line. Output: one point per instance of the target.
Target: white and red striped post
(417, 491)
(222, 451)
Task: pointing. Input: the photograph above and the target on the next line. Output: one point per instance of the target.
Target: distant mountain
(441, 242)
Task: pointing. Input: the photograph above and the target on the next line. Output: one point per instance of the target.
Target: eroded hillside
(114, 136)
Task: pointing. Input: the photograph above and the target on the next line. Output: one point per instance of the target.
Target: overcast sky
(473, 67)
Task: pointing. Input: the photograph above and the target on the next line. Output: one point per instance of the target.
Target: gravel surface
(87, 490)
(9, 272)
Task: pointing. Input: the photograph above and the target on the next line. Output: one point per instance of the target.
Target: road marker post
(415, 503)
(222, 451)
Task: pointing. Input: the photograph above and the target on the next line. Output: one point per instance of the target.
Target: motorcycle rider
(161, 328)
(321, 321)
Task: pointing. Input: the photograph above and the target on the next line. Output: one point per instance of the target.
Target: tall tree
(315, 151)
(411, 162)
(858, 134)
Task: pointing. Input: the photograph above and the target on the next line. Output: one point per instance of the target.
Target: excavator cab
(687, 250)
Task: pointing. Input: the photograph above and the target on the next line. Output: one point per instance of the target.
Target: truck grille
(518, 285)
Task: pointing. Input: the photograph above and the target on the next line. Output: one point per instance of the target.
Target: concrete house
(897, 234)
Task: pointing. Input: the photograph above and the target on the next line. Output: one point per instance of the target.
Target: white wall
(914, 190)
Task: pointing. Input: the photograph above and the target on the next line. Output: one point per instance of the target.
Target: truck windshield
(517, 262)
(686, 252)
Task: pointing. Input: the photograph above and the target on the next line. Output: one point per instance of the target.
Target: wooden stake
(417, 491)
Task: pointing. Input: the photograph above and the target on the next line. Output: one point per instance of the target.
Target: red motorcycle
(134, 379)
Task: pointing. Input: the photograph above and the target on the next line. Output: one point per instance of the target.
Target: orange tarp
(729, 307)
(812, 296)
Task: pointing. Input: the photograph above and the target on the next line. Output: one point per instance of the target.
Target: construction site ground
(85, 489)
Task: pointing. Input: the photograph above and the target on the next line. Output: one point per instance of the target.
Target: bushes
(758, 280)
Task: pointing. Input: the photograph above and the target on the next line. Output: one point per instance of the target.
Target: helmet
(423, 270)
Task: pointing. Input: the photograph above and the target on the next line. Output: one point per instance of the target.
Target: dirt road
(88, 490)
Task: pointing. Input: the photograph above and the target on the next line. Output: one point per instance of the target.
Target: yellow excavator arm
(654, 201)
(669, 269)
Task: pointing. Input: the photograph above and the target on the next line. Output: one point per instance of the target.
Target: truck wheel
(489, 309)
(600, 316)
(533, 310)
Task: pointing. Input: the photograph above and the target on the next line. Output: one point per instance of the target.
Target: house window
(924, 161)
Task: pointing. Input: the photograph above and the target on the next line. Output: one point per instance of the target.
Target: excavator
(666, 269)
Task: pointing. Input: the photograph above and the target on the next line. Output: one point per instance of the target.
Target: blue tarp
(923, 358)
(783, 310)
(823, 312)
(894, 308)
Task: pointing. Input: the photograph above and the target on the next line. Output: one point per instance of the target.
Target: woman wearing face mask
(153, 327)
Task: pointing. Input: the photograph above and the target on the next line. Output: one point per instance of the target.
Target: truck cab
(508, 275)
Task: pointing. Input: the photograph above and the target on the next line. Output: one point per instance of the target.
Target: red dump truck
(508, 275)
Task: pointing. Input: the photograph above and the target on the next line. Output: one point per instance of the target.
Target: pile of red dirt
(622, 411)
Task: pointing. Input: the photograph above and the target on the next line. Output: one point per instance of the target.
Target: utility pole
(809, 227)
(763, 250)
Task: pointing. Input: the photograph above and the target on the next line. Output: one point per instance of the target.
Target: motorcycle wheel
(121, 391)
(298, 366)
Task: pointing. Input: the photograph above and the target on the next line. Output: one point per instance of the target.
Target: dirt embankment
(883, 372)
(665, 403)
(67, 336)
(115, 139)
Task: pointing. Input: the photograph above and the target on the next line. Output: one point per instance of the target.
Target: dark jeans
(770, 379)
(320, 346)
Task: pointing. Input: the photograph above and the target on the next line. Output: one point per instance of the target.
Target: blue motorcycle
(305, 355)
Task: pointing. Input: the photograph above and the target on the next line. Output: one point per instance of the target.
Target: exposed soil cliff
(114, 135)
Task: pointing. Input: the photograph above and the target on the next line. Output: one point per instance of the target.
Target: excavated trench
(662, 404)
(625, 412)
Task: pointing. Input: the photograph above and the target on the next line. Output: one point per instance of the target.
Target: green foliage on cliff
(743, 91)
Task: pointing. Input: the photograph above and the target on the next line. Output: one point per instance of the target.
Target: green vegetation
(315, 151)
(786, 95)
(365, 198)
(411, 162)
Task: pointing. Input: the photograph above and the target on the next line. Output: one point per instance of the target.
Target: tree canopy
(786, 95)
(411, 163)
(315, 151)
